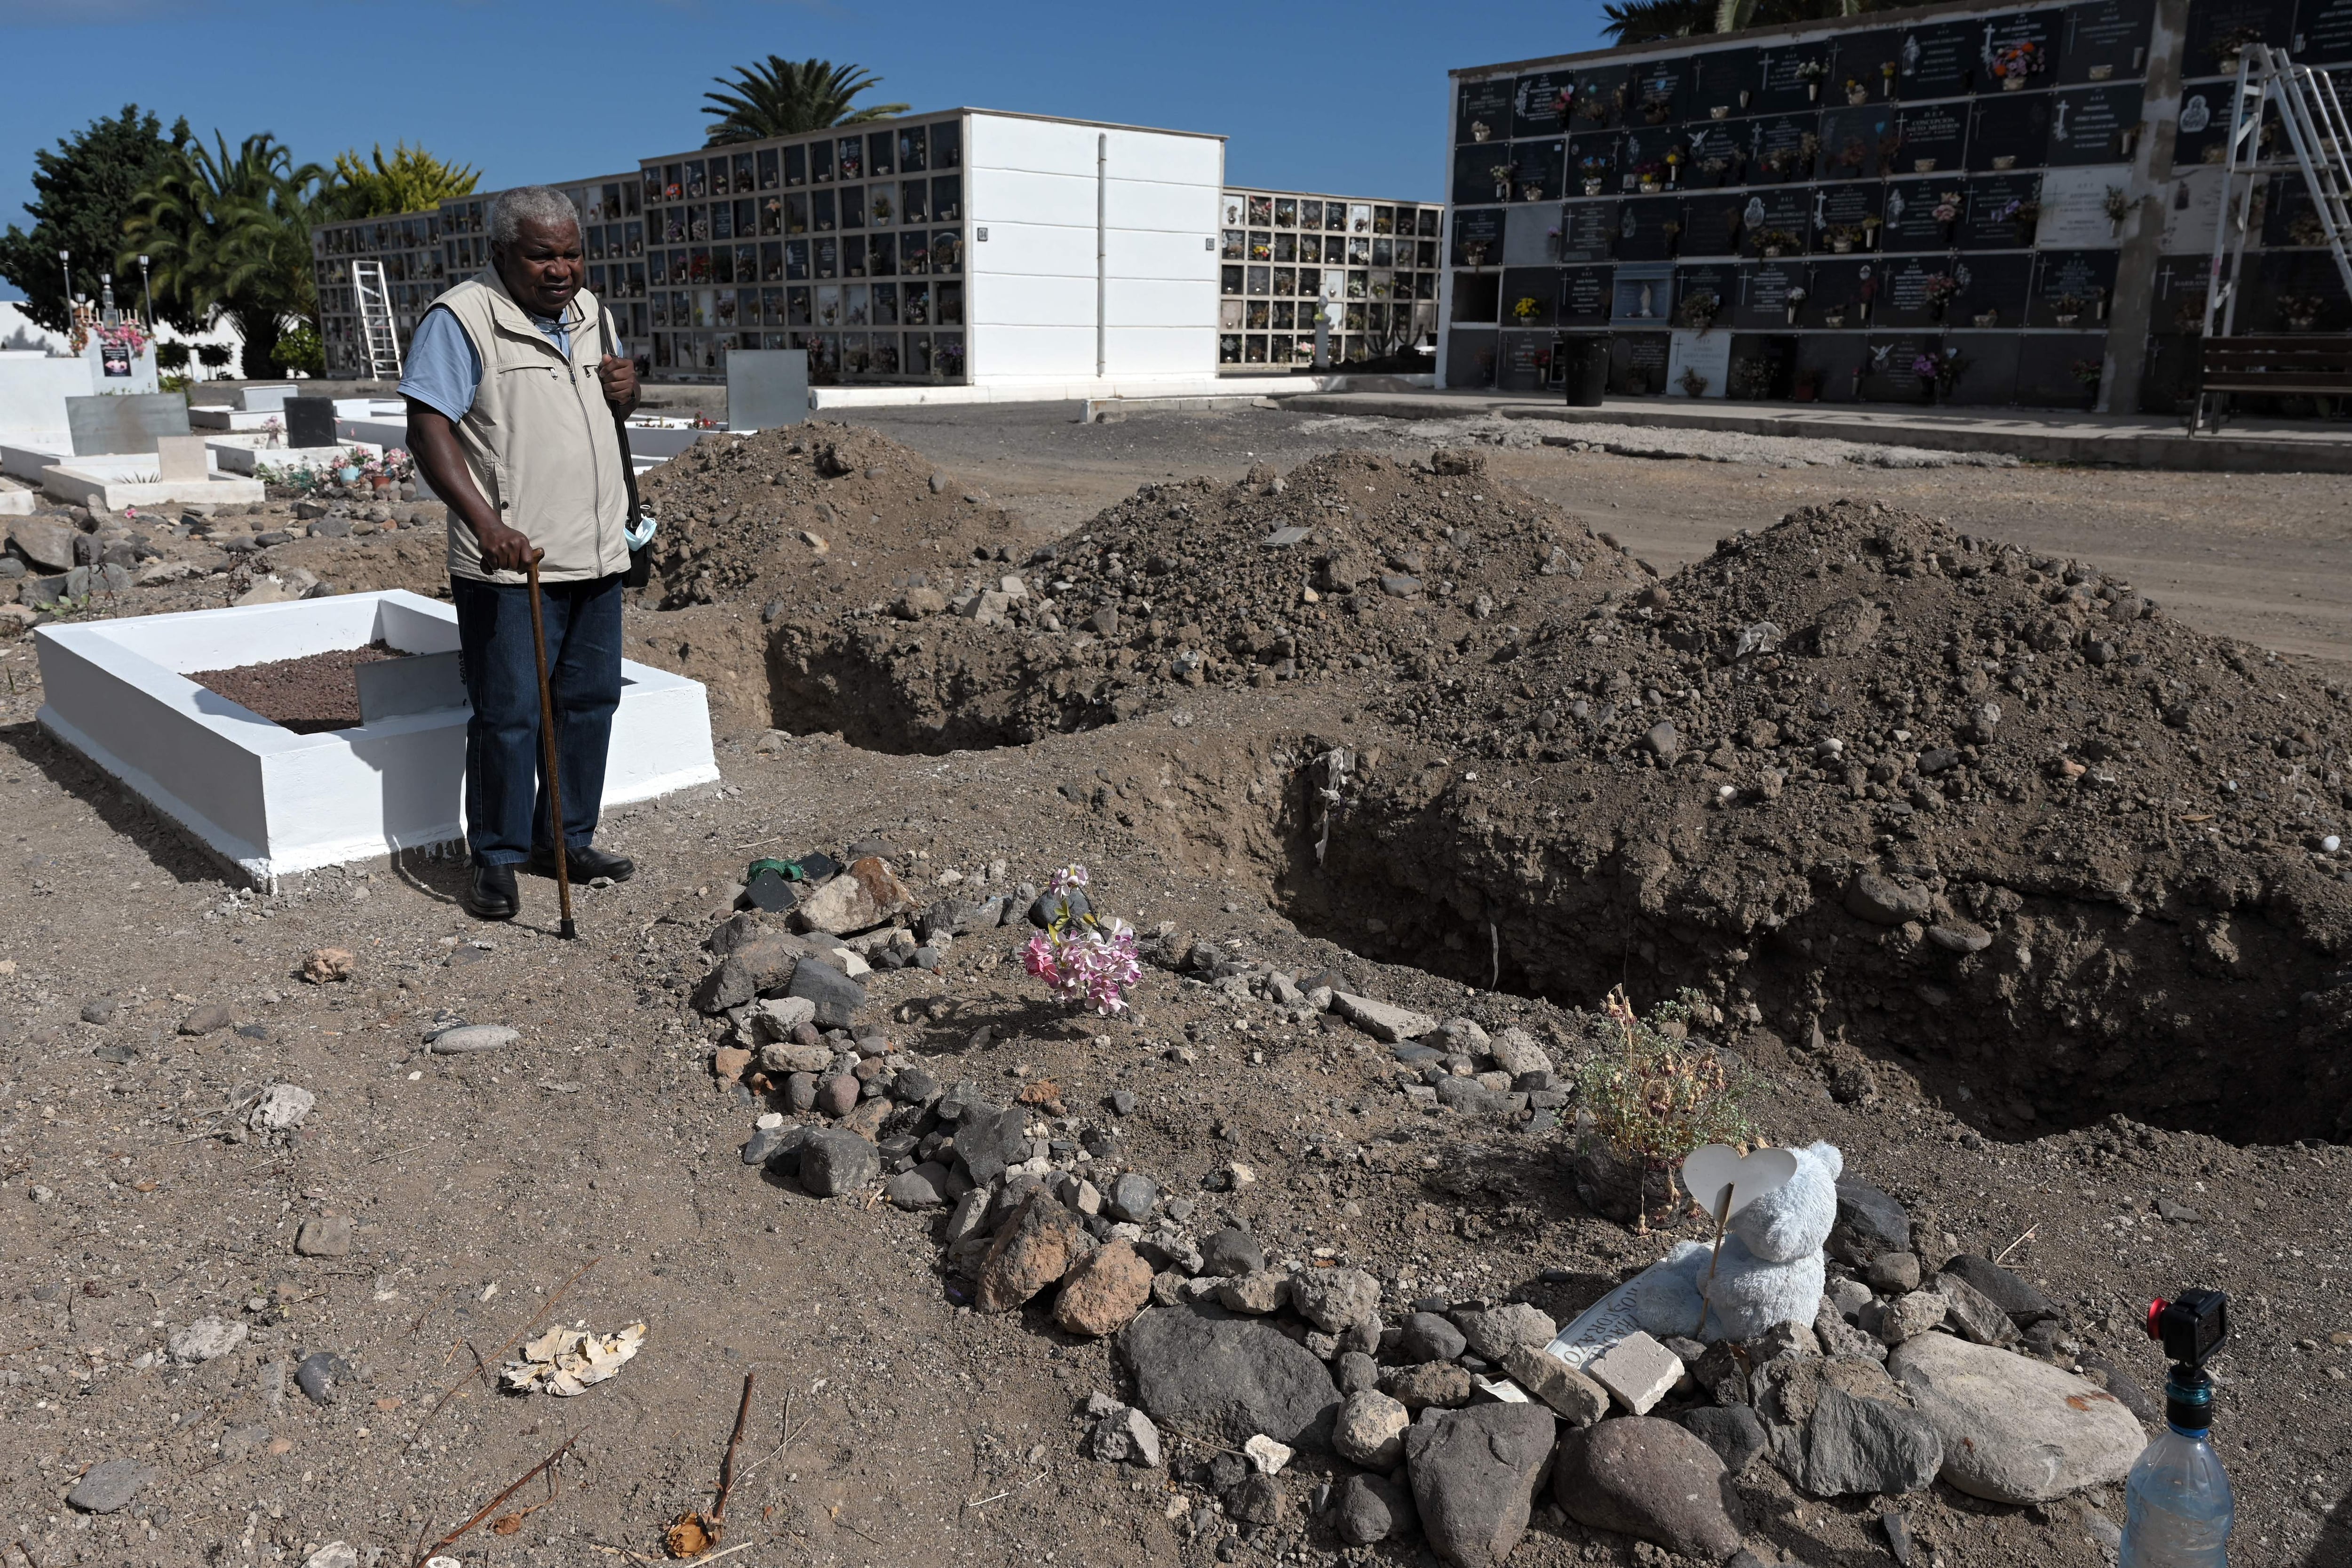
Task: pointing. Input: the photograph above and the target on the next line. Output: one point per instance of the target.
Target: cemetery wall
(2017, 198)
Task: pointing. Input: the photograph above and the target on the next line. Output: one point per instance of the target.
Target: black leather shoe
(490, 892)
(584, 865)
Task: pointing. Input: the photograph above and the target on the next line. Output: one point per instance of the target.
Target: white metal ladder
(2313, 120)
(373, 296)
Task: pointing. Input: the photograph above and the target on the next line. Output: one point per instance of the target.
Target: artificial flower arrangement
(2013, 64)
(1085, 960)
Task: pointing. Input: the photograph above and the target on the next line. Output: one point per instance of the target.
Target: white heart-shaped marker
(1712, 1167)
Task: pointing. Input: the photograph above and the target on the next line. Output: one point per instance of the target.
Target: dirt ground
(891, 1423)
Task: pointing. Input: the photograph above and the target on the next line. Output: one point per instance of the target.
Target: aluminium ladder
(2312, 119)
(377, 339)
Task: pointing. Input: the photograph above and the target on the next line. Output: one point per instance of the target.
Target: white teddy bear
(1772, 1266)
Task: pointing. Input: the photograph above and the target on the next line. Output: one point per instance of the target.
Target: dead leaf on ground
(505, 1524)
(688, 1537)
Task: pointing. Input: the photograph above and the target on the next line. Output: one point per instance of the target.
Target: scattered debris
(565, 1362)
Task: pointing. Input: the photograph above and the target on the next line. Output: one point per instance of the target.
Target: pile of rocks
(1452, 1063)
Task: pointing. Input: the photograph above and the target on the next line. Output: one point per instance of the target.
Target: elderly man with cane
(514, 382)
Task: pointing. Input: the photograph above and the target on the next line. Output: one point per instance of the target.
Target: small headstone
(179, 458)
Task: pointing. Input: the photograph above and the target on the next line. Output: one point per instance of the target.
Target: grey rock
(98, 1010)
(209, 1018)
(2024, 1305)
(1132, 1198)
(1908, 1317)
(1868, 1223)
(1255, 1293)
(1387, 1024)
(989, 1140)
(1425, 1336)
(1366, 1509)
(1259, 1499)
(970, 1216)
(1369, 1430)
(108, 1486)
(1665, 743)
(1127, 1436)
(1881, 900)
(1957, 935)
(1230, 1251)
(1122, 1102)
(319, 1374)
(1567, 1392)
(1867, 1445)
(1230, 1378)
(1474, 1474)
(472, 1039)
(1356, 1371)
(1336, 1300)
(924, 1187)
(1471, 1098)
(326, 1235)
(1444, 1383)
(767, 1145)
(1972, 1312)
(837, 997)
(835, 1161)
(1731, 1430)
(2015, 1430)
(1891, 1273)
(1496, 1331)
(207, 1339)
(1649, 1479)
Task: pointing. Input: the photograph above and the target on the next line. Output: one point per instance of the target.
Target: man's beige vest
(539, 440)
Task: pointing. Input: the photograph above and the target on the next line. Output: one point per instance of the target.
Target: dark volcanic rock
(1230, 1378)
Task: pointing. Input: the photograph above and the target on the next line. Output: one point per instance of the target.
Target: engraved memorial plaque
(1792, 77)
(1482, 110)
(1937, 60)
(2106, 40)
(1924, 215)
(1934, 139)
(1637, 364)
(1585, 295)
(1768, 291)
(1587, 231)
(1539, 104)
(2094, 124)
(1712, 222)
(2072, 288)
(1722, 83)
(2009, 131)
(2003, 210)
(1858, 142)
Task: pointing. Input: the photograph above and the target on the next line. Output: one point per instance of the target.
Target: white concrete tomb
(275, 802)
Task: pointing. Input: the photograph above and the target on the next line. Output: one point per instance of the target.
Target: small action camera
(2192, 1327)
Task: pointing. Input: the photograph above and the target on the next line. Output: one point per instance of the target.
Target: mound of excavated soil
(1351, 566)
(1899, 789)
(804, 514)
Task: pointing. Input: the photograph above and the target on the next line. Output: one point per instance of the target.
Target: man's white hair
(529, 204)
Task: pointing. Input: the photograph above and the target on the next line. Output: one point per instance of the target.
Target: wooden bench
(2316, 365)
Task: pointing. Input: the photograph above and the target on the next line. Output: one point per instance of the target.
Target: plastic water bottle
(2177, 1502)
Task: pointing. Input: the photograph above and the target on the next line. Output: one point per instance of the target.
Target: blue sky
(1345, 98)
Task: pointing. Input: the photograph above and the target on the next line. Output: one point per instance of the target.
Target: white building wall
(1041, 189)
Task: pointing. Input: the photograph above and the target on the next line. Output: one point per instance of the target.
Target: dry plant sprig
(1660, 1097)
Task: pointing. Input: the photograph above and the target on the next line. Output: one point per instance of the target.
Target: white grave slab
(182, 458)
(1708, 352)
(112, 481)
(275, 802)
(2075, 208)
(243, 453)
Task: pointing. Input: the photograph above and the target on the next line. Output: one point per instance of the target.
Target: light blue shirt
(444, 370)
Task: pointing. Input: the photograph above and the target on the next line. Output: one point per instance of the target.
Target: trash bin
(1585, 360)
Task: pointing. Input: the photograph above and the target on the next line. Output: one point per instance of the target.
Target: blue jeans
(506, 799)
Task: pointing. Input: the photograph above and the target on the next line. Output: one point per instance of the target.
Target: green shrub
(171, 356)
(300, 349)
(213, 356)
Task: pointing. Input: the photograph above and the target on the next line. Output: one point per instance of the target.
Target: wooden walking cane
(547, 754)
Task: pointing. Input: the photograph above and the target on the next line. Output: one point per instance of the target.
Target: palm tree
(411, 181)
(783, 98)
(230, 236)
